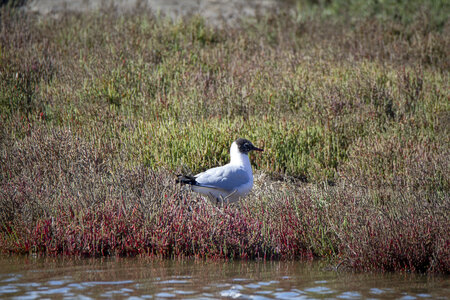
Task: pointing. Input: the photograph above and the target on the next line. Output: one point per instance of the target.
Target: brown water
(31, 278)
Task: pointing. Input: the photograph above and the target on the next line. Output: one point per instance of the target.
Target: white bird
(227, 183)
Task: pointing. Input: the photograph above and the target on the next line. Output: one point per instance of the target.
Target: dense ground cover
(99, 111)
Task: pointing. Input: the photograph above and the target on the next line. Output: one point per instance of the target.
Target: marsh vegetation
(100, 110)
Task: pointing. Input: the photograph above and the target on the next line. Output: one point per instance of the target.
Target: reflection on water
(30, 278)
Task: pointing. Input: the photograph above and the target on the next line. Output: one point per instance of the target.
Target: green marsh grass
(99, 111)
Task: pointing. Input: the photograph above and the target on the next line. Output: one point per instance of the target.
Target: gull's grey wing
(226, 178)
(209, 189)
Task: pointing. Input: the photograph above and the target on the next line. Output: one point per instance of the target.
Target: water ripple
(320, 290)
(143, 282)
(173, 281)
(165, 295)
(231, 293)
(350, 295)
(287, 295)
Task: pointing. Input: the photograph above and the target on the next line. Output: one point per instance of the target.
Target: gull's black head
(245, 146)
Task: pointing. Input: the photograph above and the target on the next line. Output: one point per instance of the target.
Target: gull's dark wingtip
(186, 179)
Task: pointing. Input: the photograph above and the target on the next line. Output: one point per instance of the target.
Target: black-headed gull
(230, 182)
